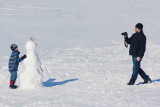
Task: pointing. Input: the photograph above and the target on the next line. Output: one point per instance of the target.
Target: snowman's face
(30, 46)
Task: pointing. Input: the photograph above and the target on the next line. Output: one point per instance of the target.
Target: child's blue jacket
(14, 60)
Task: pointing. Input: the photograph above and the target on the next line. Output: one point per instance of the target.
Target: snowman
(31, 78)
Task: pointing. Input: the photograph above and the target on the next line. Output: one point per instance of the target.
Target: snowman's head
(30, 45)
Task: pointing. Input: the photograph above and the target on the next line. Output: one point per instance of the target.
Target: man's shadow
(153, 81)
(51, 83)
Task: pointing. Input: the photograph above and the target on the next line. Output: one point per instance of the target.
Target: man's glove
(24, 56)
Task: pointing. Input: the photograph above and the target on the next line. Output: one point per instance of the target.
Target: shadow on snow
(51, 83)
(153, 81)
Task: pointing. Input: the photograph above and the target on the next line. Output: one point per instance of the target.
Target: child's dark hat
(13, 46)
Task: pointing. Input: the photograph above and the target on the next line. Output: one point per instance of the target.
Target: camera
(124, 34)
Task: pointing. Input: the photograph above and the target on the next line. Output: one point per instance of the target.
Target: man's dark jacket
(137, 44)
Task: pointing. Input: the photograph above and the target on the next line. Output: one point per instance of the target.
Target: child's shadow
(153, 81)
(51, 83)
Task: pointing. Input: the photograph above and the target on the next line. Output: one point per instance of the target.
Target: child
(13, 64)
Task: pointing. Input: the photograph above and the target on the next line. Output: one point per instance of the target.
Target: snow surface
(31, 78)
(83, 57)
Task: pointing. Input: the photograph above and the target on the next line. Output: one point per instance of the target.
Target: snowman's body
(31, 78)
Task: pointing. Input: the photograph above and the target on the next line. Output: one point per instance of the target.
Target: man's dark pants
(137, 70)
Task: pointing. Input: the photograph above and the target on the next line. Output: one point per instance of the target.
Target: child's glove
(24, 56)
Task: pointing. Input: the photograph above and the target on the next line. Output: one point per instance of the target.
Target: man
(137, 49)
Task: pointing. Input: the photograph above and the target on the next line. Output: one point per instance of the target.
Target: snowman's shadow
(51, 83)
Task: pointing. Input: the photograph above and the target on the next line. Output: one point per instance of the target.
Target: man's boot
(147, 80)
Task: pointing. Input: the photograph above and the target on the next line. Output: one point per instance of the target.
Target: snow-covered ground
(83, 57)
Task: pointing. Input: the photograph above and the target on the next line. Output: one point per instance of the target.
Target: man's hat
(139, 26)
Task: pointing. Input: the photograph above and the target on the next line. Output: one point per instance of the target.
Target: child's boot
(12, 86)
